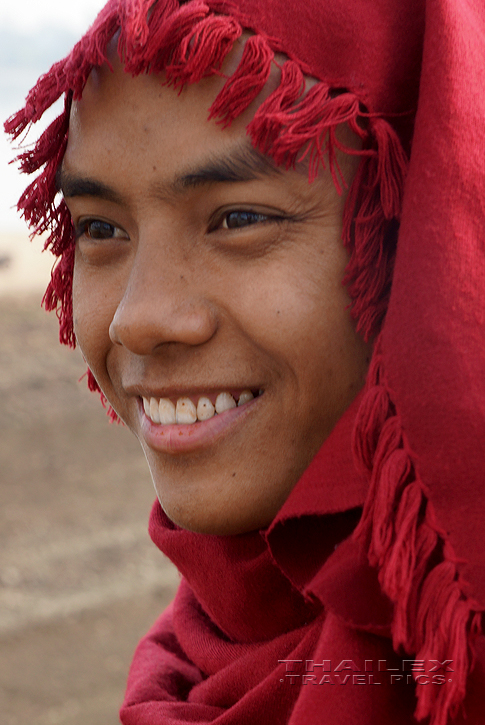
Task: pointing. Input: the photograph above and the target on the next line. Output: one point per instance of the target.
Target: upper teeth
(164, 411)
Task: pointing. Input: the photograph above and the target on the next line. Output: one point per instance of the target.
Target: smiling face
(204, 272)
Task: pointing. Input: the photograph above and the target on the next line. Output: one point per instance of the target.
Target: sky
(33, 35)
(30, 15)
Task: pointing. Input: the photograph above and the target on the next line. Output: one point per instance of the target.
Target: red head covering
(409, 79)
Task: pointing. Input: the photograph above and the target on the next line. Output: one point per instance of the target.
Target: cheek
(93, 310)
(300, 317)
(297, 307)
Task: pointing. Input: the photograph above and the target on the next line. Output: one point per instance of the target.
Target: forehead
(140, 133)
(143, 111)
(139, 139)
(118, 108)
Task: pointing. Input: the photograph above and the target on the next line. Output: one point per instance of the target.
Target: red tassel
(47, 145)
(138, 41)
(62, 235)
(58, 296)
(392, 166)
(90, 51)
(165, 36)
(246, 82)
(444, 616)
(94, 388)
(265, 126)
(370, 227)
(37, 202)
(201, 52)
(307, 130)
(93, 383)
(133, 19)
(47, 90)
(376, 407)
(432, 617)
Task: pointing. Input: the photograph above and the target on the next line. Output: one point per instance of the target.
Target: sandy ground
(23, 266)
(80, 581)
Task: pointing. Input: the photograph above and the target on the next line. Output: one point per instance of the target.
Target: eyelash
(249, 217)
(81, 229)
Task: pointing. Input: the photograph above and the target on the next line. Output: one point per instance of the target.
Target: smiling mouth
(188, 410)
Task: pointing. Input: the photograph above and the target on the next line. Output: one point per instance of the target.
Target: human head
(201, 270)
(296, 119)
(295, 122)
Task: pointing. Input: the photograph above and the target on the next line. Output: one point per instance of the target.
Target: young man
(224, 169)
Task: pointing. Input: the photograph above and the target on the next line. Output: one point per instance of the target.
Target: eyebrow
(73, 185)
(244, 163)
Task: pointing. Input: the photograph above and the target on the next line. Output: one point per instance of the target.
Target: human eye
(247, 230)
(245, 218)
(241, 218)
(98, 229)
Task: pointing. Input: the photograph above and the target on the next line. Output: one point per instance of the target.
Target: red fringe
(46, 147)
(246, 82)
(166, 31)
(370, 229)
(58, 296)
(432, 617)
(62, 236)
(91, 50)
(37, 202)
(94, 388)
(392, 167)
(48, 89)
(67, 75)
(202, 52)
(306, 129)
(133, 19)
(265, 128)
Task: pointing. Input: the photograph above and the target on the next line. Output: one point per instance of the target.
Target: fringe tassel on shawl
(68, 75)
(202, 52)
(133, 19)
(432, 618)
(246, 82)
(370, 226)
(94, 388)
(58, 296)
(166, 30)
(37, 204)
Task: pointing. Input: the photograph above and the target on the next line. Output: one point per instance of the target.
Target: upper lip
(145, 391)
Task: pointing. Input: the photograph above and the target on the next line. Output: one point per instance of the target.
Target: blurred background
(80, 581)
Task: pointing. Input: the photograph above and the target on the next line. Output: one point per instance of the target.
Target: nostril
(113, 332)
(142, 325)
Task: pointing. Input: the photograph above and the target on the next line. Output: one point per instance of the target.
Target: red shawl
(284, 626)
(409, 78)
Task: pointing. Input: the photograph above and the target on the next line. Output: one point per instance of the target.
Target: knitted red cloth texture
(409, 79)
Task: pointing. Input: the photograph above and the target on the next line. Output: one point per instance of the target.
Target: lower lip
(193, 437)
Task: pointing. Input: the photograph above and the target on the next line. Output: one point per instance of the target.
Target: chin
(215, 523)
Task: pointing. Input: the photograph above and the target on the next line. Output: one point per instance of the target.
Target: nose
(160, 305)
